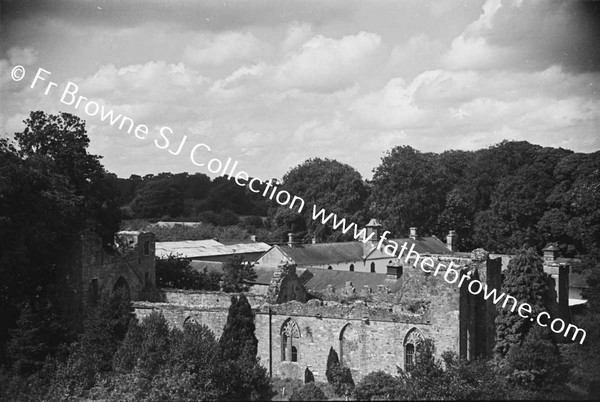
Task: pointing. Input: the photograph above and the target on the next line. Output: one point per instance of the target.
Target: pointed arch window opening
(410, 348)
(290, 337)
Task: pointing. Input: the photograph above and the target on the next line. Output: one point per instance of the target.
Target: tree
(328, 184)
(409, 189)
(238, 338)
(62, 139)
(158, 198)
(51, 188)
(175, 272)
(378, 385)
(338, 375)
(332, 361)
(237, 275)
(38, 334)
(92, 353)
(536, 364)
(526, 281)
(308, 392)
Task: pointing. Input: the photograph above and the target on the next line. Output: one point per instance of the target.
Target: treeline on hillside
(194, 197)
(499, 198)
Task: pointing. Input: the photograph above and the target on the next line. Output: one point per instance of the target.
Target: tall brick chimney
(290, 239)
(451, 240)
(551, 253)
(413, 233)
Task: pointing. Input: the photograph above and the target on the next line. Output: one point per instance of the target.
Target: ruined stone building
(372, 318)
(313, 299)
(89, 270)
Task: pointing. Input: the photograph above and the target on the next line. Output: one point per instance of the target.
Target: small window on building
(373, 267)
(409, 356)
(294, 354)
(146, 247)
(351, 267)
(329, 267)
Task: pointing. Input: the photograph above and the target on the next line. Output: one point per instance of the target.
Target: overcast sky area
(273, 83)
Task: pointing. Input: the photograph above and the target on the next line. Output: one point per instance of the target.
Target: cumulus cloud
(326, 64)
(223, 48)
(22, 55)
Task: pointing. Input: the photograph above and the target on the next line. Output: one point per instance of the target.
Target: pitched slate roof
(330, 253)
(323, 253)
(423, 245)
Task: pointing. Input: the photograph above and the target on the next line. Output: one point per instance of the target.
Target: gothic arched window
(372, 267)
(351, 267)
(412, 338)
(290, 336)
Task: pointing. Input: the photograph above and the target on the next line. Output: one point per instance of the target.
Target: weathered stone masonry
(370, 332)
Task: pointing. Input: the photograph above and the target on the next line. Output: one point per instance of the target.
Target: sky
(271, 84)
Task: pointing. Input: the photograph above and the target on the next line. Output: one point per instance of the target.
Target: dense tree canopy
(328, 184)
(50, 189)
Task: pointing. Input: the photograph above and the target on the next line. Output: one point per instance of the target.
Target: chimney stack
(290, 239)
(551, 253)
(314, 240)
(413, 233)
(451, 240)
(394, 270)
(253, 238)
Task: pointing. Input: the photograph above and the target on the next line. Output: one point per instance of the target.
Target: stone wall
(368, 336)
(88, 270)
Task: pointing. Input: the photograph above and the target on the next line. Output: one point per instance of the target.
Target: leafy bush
(309, 392)
(378, 385)
(176, 272)
(237, 275)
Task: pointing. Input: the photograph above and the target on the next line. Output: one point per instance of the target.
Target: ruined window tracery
(290, 336)
(410, 342)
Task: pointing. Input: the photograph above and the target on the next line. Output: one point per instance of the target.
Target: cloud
(392, 107)
(22, 55)
(326, 64)
(471, 49)
(222, 49)
(463, 105)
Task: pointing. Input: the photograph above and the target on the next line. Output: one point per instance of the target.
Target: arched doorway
(121, 286)
(349, 347)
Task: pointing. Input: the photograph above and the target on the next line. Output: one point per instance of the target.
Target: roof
(425, 245)
(317, 279)
(328, 253)
(207, 248)
(173, 224)
(323, 253)
(263, 275)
